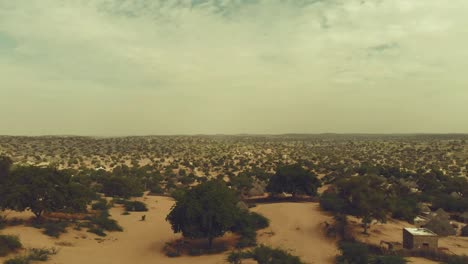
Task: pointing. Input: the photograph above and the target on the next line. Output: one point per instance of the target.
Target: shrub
(250, 220)
(41, 254)
(248, 239)
(259, 221)
(330, 201)
(100, 205)
(107, 224)
(236, 257)
(353, 252)
(98, 231)
(388, 260)
(246, 225)
(464, 231)
(267, 255)
(9, 244)
(33, 254)
(135, 206)
(55, 229)
(18, 260)
(156, 189)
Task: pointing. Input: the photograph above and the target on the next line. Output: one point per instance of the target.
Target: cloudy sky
(137, 67)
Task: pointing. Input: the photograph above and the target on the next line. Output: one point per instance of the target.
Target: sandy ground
(298, 227)
(295, 226)
(392, 231)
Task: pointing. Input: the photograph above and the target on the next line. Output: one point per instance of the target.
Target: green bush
(268, 255)
(100, 205)
(9, 244)
(41, 254)
(18, 260)
(330, 201)
(248, 239)
(264, 255)
(135, 206)
(236, 257)
(106, 223)
(55, 229)
(33, 254)
(353, 252)
(250, 220)
(259, 221)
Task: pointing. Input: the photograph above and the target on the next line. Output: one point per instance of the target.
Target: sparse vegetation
(9, 244)
(135, 206)
(264, 255)
(32, 255)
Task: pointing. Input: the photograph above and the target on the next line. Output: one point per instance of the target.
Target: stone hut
(420, 238)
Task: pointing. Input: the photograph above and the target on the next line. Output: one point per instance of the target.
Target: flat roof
(420, 231)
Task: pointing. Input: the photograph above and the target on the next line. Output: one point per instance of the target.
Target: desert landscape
(233, 132)
(151, 170)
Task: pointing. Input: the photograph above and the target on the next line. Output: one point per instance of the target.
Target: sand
(295, 226)
(392, 231)
(299, 227)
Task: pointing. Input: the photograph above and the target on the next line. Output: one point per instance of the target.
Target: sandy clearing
(297, 226)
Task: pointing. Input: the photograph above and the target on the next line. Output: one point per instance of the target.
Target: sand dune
(295, 227)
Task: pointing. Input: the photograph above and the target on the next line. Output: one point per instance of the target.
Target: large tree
(43, 189)
(293, 179)
(207, 211)
(365, 197)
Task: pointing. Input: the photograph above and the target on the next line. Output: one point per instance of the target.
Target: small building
(420, 238)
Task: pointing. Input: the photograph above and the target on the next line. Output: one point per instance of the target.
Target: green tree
(365, 197)
(242, 183)
(43, 189)
(5, 164)
(207, 211)
(121, 186)
(293, 179)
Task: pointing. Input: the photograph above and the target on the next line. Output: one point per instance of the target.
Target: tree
(120, 186)
(43, 189)
(293, 179)
(365, 197)
(207, 211)
(242, 183)
(5, 164)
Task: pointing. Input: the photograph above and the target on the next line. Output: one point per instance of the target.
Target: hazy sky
(133, 67)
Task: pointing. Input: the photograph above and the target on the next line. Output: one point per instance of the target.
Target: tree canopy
(42, 189)
(207, 211)
(364, 197)
(293, 179)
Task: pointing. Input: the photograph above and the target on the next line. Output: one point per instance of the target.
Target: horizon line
(246, 134)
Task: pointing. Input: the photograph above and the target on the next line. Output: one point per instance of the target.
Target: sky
(152, 67)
